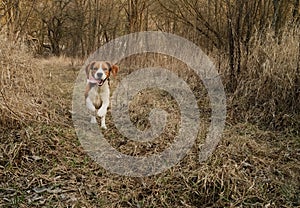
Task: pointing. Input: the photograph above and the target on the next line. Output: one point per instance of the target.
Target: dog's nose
(99, 74)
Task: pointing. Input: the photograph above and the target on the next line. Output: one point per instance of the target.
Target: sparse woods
(255, 45)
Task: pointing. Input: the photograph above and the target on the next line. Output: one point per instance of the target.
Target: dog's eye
(95, 68)
(104, 69)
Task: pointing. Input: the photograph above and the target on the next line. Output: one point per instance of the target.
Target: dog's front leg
(103, 110)
(102, 113)
(91, 107)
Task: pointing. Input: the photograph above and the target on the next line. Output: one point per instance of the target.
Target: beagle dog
(97, 88)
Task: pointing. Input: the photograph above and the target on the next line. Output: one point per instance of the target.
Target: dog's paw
(93, 120)
(103, 127)
(101, 112)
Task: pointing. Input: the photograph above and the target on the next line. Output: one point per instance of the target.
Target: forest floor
(44, 165)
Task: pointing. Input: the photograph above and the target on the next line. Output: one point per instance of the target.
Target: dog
(97, 91)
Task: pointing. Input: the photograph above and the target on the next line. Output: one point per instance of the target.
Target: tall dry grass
(47, 167)
(269, 87)
(267, 92)
(25, 96)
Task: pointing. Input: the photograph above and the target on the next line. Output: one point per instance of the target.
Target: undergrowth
(42, 163)
(268, 90)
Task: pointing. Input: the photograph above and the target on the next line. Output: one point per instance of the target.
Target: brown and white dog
(97, 88)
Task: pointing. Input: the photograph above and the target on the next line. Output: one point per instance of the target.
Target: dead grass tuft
(268, 90)
(25, 92)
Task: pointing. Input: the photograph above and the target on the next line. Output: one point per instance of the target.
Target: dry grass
(25, 87)
(268, 91)
(43, 165)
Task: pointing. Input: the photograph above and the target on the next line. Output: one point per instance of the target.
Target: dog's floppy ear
(109, 65)
(88, 67)
(114, 70)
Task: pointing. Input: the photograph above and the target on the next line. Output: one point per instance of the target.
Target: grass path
(44, 165)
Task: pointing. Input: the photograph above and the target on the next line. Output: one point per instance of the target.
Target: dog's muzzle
(98, 82)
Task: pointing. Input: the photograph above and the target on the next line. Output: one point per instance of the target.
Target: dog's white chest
(98, 94)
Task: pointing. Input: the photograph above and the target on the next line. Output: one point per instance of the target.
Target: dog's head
(99, 71)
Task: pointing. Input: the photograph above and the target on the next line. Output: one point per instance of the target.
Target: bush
(268, 90)
(22, 90)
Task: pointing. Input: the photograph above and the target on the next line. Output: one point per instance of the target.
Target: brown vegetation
(255, 46)
(248, 40)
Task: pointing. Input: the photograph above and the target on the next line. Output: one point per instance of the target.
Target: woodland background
(255, 46)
